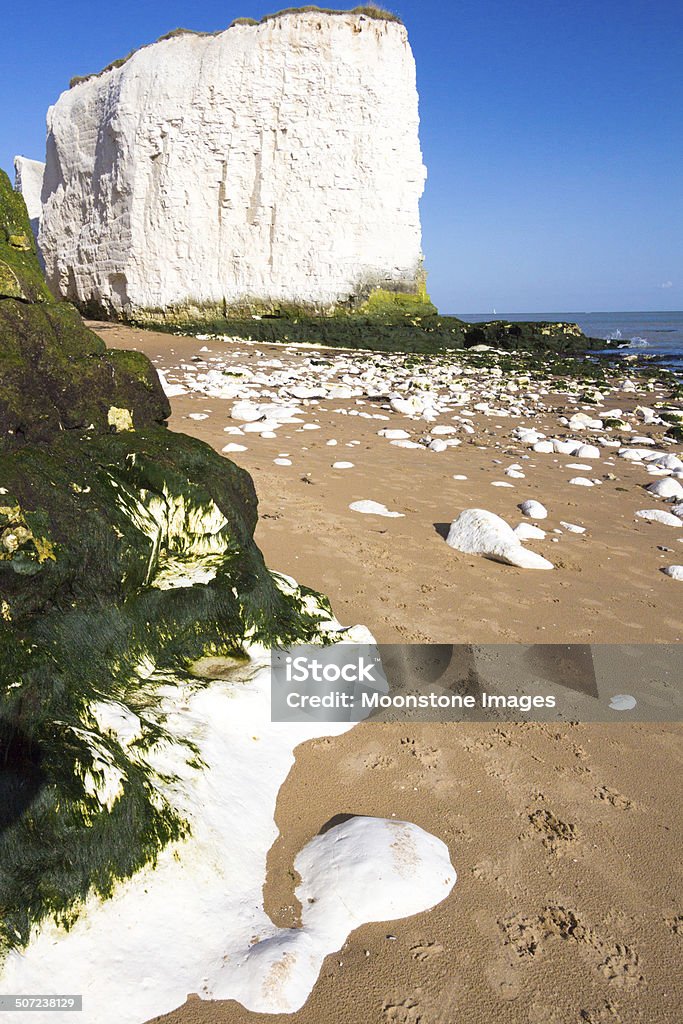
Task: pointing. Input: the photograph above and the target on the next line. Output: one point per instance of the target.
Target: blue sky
(552, 132)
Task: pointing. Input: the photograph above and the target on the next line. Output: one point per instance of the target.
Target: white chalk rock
(658, 515)
(528, 435)
(567, 447)
(572, 527)
(342, 465)
(246, 412)
(533, 509)
(587, 451)
(180, 176)
(666, 488)
(527, 531)
(406, 444)
(478, 532)
(582, 421)
(543, 447)
(394, 435)
(668, 461)
(437, 445)
(581, 481)
(374, 508)
(233, 447)
(674, 571)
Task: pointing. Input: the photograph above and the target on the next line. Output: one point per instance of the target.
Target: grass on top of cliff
(367, 10)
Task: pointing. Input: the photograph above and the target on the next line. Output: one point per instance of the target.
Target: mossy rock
(55, 374)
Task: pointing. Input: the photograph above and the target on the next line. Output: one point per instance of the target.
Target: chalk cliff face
(29, 181)
(268, 165)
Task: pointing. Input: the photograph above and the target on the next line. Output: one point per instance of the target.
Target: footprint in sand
(616, 799)
(429, 757)
(406, 1012)
(529, 937)
(554, 831)
(424, 951)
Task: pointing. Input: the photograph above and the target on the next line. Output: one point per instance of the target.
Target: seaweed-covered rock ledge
(126, 561)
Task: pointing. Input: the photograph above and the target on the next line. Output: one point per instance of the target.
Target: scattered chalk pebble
(572, 527)
(342, 465)
(459, 476)
(282, 462)
(622, 702)
(581, 481)
(674, 571)
(199, 416)
(232, 447)
(533, 509)
(527, 531)
(331, 444)
(374, 508)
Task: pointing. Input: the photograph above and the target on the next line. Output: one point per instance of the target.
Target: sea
(645, 333)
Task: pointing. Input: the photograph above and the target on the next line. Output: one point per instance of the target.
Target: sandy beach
(565, 909)
(397, 575)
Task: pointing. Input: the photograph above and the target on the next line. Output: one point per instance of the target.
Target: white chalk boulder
(478, 532)
(533, 509)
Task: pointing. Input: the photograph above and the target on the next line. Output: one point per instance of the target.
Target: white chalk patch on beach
(405, 444)
(459, 476)
(374, 508)
(581, 481)
(674, 571)
(187, 924)
(232, 447)
(479, 532)
(578, 465)
(198, 416)
(342, 465)
(501, 483)
(365, 869)
(282, 462)
(331, 443)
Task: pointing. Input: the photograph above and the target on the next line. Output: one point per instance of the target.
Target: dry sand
(565, 839)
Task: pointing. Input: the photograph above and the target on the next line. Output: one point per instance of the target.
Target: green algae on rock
(126, 558)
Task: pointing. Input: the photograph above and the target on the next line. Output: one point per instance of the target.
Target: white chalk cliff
(28, 179)
(269, 164)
